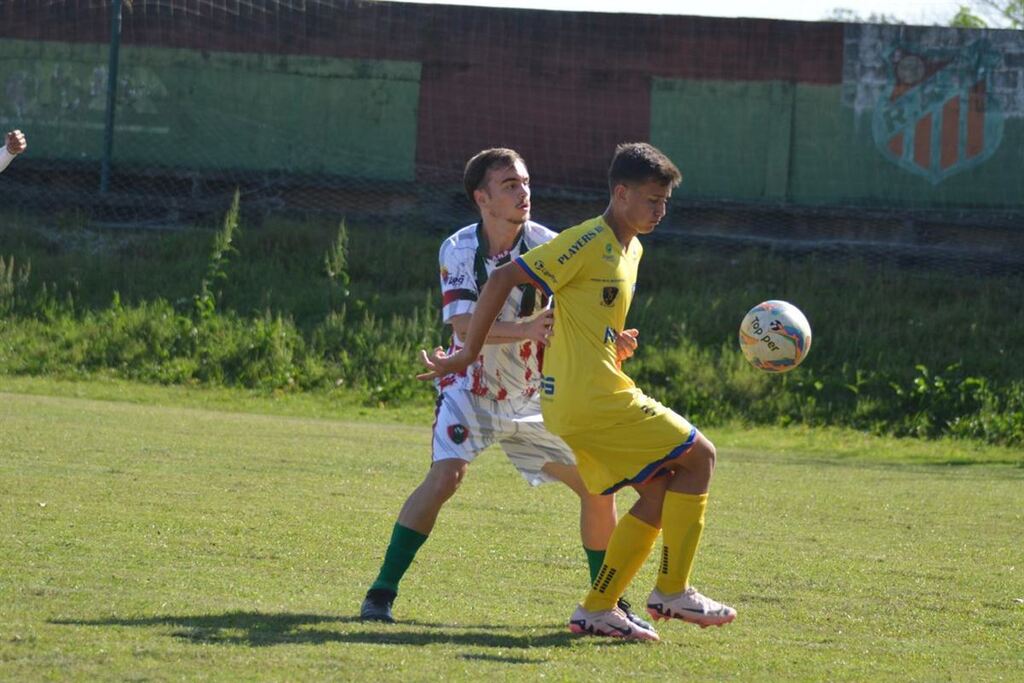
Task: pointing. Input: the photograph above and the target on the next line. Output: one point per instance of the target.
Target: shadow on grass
(966, 462)
(988, 467)
(503, 659)
(257, 629)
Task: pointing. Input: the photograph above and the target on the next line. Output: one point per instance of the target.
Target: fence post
(108, 129)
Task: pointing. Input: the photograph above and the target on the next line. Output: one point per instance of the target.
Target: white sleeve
(5, 158)
(458, 283)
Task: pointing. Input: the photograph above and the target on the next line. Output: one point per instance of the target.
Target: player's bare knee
(592, 501)
(445, 487)
(444, 478)
(704, 452)
(648, 510)
(651, 497)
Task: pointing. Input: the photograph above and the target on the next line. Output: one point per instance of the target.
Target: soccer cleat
(612, 623)
(626, 608)
(689, 606)
(377, 606)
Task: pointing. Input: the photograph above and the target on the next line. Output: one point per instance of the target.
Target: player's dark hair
(640, 162)
(477, 167)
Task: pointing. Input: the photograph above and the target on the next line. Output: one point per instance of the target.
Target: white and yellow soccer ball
(775, 336)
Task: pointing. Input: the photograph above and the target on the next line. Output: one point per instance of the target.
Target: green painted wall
(776, 141)
(215, 110)
(730, 139)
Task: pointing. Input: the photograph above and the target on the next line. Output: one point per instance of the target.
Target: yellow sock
(682, 519)
(629, 546)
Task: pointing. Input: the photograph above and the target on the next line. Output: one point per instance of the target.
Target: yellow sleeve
(556, 263)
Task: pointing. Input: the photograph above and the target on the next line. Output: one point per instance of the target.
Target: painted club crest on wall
(938, 116)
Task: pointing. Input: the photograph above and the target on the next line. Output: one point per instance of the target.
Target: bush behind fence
(314, 306)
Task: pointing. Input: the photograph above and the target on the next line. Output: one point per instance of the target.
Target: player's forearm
(502, 332)
(492, 298)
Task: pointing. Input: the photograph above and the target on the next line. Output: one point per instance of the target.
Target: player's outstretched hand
(539, 329)
(625, 344)
(438, 363)
(16, 143)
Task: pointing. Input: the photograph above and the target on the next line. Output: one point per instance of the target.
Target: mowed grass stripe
(160, 542)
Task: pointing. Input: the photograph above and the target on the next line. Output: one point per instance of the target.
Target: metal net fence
(891, 143)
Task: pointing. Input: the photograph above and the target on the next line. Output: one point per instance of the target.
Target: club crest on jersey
(608, 295)
(458, 433)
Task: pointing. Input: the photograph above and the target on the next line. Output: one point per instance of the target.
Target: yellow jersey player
(620, 436)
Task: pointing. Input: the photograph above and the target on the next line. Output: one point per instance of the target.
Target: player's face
(645, 205)
(506, 194)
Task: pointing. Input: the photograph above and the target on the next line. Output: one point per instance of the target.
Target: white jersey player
(495, 399)
(14, 145)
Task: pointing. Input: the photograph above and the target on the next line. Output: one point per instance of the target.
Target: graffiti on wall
(939, 117)
(937, 98)
(74, 95)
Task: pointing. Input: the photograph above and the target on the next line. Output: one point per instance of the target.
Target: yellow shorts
(632, 449)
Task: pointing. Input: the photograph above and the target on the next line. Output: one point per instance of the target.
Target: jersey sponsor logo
(608, 295)
(542, 270)
(609, 254)
(547, 385)
(610, 335)
(450, 279)
(458, 433)
(575, 247)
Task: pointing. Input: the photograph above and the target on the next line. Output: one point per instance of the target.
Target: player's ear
(619, 191)
(481, 197)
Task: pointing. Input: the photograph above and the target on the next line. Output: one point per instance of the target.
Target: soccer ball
(775, 336)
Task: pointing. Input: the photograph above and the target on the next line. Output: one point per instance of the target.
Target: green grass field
(157, 534)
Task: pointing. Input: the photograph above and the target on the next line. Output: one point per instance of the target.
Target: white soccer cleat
(612, 623)
(689, 606)
(627, 609)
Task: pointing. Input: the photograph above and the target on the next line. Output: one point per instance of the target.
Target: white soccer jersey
(5, 157)
(502, 370)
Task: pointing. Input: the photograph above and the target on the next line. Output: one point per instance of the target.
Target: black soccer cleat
(624, 605)
(377, 606)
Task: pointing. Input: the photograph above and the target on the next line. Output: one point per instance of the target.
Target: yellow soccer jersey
(592, 279)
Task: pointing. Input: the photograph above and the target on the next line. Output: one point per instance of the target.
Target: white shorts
(466, 424)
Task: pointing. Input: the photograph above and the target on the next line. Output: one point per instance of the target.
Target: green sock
(595, 558)
(401, 551)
